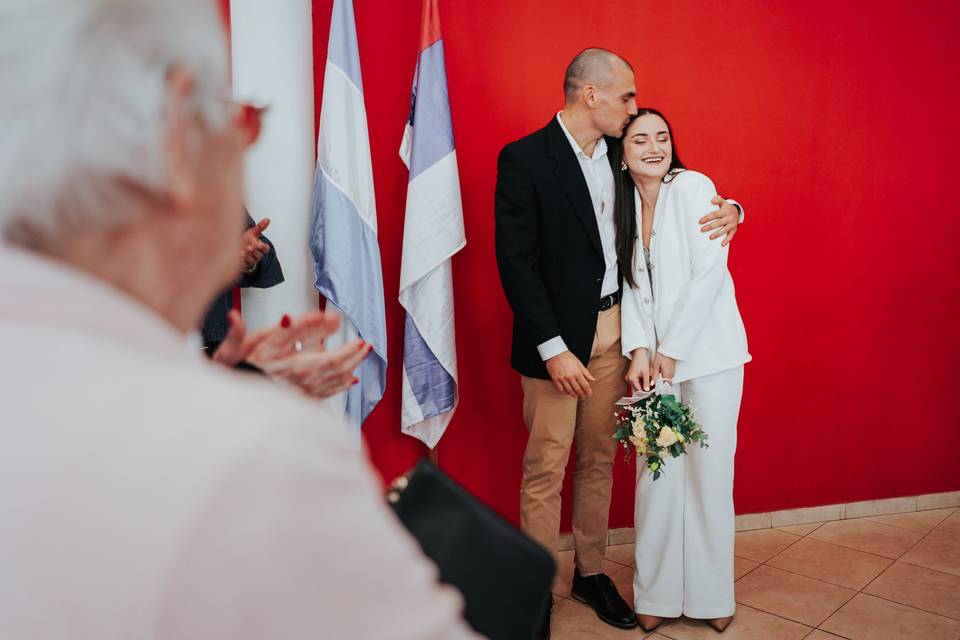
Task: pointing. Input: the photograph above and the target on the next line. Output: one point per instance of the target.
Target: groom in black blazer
(557, 260)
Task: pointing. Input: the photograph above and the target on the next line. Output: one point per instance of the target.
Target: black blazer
(548, 247)
(267, 274)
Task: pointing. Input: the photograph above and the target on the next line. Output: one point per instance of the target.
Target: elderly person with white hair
(138, 497)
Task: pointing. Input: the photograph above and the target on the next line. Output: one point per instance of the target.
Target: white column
(272, 48)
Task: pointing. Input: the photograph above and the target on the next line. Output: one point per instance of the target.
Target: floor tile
(868, 618)
(801, 529)
(863, 535)
(934, 553)
(748, 624)
(573, 621)
(763, 544)
(564, 579)
(822, 635)
(623, 580)
(920, 588)
(791, 596)
(743, 566)
(922, 521)
(622, 554)
(828, 562)
(949, 529)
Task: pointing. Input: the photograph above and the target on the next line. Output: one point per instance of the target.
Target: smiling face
(648, 147)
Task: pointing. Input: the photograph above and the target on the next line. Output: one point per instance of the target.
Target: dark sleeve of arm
(268, 272)
(518, 250)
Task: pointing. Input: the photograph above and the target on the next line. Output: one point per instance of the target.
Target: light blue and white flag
(343, 235)
(432, 234)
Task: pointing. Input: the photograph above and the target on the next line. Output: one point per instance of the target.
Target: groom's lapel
(571, 178)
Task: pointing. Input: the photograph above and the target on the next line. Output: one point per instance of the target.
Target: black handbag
(505, 577)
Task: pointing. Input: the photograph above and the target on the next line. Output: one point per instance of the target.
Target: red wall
(834, 125)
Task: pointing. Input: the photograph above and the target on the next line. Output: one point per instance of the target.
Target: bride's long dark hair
(625, 209)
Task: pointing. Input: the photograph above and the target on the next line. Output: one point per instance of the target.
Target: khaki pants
(554, 421)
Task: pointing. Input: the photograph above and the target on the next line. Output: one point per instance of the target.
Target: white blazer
(691, 312)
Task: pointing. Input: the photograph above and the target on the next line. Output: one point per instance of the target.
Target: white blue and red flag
(343, 234)
(432, 234)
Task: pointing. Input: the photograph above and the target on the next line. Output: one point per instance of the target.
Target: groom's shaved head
(591, 66)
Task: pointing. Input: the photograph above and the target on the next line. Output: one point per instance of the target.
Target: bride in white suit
(680, 322)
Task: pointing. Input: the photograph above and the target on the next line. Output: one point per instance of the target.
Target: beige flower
(640, 443)
(666, 438)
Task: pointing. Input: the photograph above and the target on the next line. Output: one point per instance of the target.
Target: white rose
(666, 438)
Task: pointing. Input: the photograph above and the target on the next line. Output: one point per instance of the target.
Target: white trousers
(685, 521)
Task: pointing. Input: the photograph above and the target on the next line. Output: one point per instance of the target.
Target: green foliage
(646, 419)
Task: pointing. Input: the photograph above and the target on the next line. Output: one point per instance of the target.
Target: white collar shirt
(599, 176)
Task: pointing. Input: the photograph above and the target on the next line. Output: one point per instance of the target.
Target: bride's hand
(664, 367)
(638, 375)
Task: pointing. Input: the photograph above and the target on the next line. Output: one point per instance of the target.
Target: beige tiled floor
(876, 578)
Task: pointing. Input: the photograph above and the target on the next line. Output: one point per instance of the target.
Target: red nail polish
(285, 321)
(355, 381)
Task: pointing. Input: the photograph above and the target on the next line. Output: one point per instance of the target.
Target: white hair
(83, 101)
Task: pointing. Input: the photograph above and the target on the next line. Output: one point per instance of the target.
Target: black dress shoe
(543, 633)
(599, 592)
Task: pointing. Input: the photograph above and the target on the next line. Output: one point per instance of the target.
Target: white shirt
(599, 176)
(146, 492)
(690, 314)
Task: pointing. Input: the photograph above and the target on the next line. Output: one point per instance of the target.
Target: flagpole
(272, 52)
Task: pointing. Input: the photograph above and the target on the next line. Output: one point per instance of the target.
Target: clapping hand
(253, 247)
(295, 352)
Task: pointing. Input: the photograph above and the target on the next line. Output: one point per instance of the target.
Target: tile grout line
(856, 591)
(840, 546)
(817, 626)
(769, 613)
(920, 566)
(924, 536)
(944, 519)
(815, 629)
(881, 525)
(759, 564)
(910, 606)
(764, 562)
(799, 538)
(832, 584)
(864, 592)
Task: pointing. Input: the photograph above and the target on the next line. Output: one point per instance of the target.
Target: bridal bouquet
(657, 426)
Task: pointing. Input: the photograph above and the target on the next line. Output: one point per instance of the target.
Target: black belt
(608, 301)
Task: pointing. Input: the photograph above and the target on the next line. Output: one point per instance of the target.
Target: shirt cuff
(737, 205)
(552, 347)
